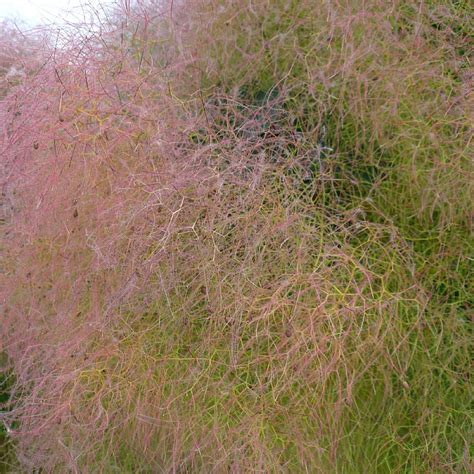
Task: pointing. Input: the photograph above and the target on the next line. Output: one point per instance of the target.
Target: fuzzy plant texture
(237, 237)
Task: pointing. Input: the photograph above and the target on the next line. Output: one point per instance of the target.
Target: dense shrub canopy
(238, 238)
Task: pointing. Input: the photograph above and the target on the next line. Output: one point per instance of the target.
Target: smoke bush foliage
(238, 238)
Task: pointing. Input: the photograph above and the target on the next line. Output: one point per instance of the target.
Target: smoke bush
(237, 240)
